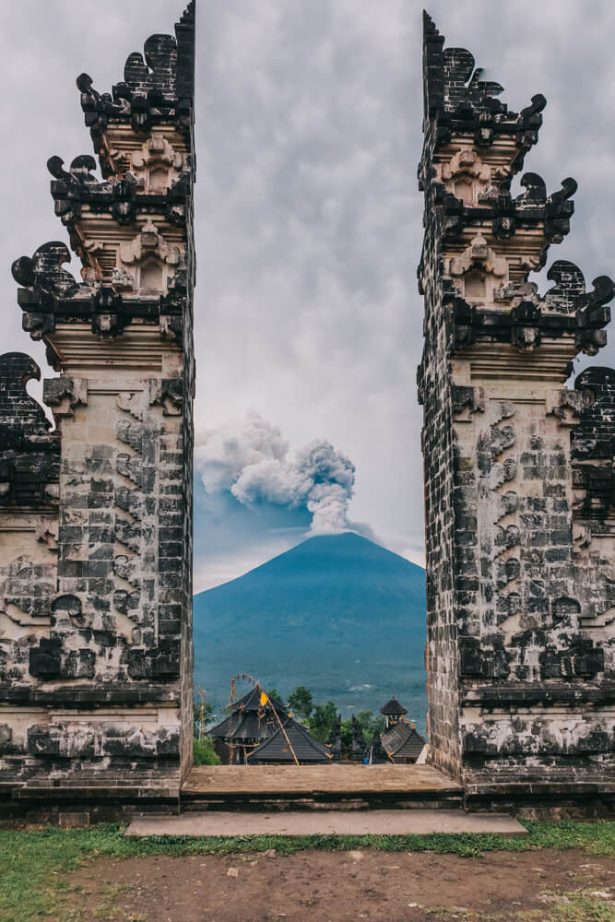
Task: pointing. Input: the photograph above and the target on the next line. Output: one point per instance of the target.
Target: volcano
(338, 613)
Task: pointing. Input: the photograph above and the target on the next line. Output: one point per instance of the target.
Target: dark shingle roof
(249, 720)
(393, 708)
(402, 741)
(252, 702)
(244, 725)
(276, 749)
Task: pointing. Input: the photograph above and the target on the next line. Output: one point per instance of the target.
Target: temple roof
(402, 741)
(251, 701)
(244, 726)
(276, 748)
(393, 708)
(249, 719)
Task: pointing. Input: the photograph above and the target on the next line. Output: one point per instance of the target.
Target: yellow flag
(264, 699)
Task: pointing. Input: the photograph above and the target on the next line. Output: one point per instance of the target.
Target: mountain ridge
(338, 613)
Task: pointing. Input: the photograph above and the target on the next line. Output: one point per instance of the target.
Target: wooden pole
(282, 728)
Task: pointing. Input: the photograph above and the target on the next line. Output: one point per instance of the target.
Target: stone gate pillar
(520, 516)
(96, 515)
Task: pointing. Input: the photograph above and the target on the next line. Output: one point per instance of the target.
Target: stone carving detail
(158, 165)
(154, 259)
(63, 394)
(480, 271)
(467, 401)
(169, 394)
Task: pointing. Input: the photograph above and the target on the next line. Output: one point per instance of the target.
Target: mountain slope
(337, 613)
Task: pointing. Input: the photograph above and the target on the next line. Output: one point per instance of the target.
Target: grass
(35, 861)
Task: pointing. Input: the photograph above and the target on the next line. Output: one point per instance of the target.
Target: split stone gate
(96, 514)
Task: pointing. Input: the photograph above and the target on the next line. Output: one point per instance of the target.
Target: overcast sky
(309, 222)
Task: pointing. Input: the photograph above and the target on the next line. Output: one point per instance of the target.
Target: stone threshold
(327, 823)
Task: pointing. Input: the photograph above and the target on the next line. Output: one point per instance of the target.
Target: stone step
(319, 801)
(317, 787)
(327, 823)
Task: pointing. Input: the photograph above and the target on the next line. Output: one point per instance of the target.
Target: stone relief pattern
(29, 473)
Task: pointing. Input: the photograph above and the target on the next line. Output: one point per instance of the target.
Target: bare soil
(347, 886)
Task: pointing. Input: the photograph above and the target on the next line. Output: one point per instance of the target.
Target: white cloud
(249, 459)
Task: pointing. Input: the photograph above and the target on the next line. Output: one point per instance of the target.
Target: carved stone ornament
(468, 178)
(567, 405)
(63, 394)
(480, 270)
(158, 164)
(155, 260)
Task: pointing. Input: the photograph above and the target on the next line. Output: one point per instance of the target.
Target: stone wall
(96, 515)
(518, 467)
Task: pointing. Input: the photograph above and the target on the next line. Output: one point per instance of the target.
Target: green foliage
(371, 723)
(203, 752)
(301, 701)
(203, 712)
(322, 722)
(32, 882)
(320, 719)
(368, 724)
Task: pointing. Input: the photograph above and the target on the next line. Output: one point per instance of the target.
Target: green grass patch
(35, 861)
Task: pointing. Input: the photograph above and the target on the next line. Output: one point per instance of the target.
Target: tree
(203, 752)
(301, 702)
(371, 723)
(322, 722)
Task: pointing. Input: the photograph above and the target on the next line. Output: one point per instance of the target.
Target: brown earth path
(321, 886)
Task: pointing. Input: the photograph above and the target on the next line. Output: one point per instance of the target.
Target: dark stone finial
(28, 451)
(20, 415)
(188, 17)
(457, 91)
(535, 190)
(569, 187)
(43, 271)
(569, 287)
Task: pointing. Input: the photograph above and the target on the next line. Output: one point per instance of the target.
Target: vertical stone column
(97, 697)
(520, 613)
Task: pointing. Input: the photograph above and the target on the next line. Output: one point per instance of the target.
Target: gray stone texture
(520, 522)
(96, 516)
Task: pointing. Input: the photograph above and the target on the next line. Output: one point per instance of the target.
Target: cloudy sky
(308, 321)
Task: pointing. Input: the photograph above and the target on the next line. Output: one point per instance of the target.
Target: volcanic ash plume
(250, 459)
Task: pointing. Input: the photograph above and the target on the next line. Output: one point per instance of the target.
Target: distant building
(288, 739)
(248, 725)
(393, 711)
(400, 741)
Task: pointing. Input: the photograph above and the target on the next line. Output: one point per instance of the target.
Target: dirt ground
(348, 886)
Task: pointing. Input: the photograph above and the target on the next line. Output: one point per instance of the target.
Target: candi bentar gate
(96, 514)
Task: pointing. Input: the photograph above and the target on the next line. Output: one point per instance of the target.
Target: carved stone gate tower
(520, 512)
(95, 516)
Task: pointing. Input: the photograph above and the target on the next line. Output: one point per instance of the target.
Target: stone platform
(327, 823)
(313, 787)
